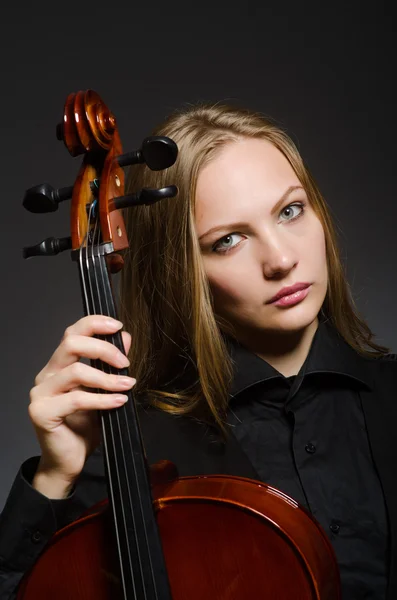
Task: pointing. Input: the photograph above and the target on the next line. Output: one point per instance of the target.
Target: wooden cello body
(159, 537)
(224, 538)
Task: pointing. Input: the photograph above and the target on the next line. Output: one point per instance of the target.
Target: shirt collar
(329, 353)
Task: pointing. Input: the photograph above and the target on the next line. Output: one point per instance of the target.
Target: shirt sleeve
(29, 519)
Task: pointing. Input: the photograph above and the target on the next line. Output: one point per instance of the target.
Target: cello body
(224, 538)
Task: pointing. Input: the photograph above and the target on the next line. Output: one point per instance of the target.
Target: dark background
(324, 71)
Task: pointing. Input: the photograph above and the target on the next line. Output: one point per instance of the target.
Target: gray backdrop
(324, 72)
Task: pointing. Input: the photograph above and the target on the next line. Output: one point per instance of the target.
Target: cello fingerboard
(142, 566)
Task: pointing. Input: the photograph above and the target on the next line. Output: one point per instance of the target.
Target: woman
(298, 381)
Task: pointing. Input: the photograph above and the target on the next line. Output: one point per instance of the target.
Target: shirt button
(36, 537)
(334, 527)
(310, 448)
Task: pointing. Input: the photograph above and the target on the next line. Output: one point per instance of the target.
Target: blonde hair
(178, 352)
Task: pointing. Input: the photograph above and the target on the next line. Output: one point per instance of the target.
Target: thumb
(126, 341)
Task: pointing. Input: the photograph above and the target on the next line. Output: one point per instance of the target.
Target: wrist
(52, 484)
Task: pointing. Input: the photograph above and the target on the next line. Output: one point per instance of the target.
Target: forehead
(244, 174)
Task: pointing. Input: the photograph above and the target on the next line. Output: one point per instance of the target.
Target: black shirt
(305, 435)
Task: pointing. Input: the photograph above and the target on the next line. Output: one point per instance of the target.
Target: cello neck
(142, 567)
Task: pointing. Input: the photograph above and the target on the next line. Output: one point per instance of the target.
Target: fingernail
(113, 323)
(127, 381)
(120, 398)
(122, 360)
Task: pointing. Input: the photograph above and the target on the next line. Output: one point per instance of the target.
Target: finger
(79, 374)
(126, 341)
(93, 324)
(87, 326)
(48, 415)
(73, 347)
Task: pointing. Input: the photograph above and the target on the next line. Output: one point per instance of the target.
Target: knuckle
(69, 342)
(41, 376)
(76, 399)
(35, 410)
(33, 394)
(68, 331)
(77, 370)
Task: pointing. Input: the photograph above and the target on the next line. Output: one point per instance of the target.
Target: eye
(226, 248)
(295, 205)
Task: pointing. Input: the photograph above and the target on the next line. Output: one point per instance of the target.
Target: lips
(286, 291)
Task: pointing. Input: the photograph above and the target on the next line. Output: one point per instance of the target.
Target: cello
(158, 536)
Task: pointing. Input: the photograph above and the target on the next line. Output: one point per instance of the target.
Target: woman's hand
(64, 412)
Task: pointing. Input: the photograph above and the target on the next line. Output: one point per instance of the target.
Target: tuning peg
(44, 198)
(158, 152)
(48, 247)
(145, 196)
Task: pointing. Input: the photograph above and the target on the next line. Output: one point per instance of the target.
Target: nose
(277, 259)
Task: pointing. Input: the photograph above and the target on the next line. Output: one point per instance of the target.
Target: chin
(293, 319)
(274, 319)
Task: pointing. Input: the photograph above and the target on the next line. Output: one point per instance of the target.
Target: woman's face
(260, 246)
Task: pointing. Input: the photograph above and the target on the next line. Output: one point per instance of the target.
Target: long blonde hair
(178, 352)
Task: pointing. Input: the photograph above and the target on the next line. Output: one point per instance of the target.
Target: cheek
(317, 249)
(227, 285)
(314, 262)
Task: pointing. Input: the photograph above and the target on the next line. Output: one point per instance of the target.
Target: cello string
(142, 516)
(106, 415)
(95, 255)
(84, 285)
(117, 414)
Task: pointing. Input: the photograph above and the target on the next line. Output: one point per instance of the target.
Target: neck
(285, 352)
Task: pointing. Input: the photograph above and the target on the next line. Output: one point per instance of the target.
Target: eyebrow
(229, 226)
